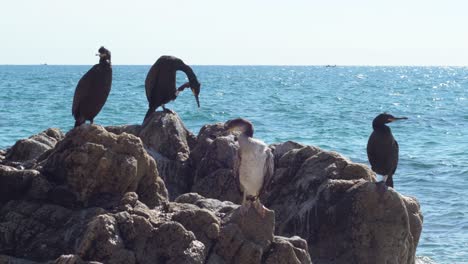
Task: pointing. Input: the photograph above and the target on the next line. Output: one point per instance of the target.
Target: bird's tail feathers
(389, 181)
(148, 114)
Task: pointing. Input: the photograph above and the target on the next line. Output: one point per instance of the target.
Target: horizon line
(257, 65)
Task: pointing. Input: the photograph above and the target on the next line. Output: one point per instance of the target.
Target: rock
(91, 161)
(96, 197)
(131, 233)
(214, 157)
(206, 136)
(254, 228)
(4, 259)
(2, 155)
(220, 207)
(280, 149)
(415, 217)
(288, 250)
(72, 259)
(308, 186)
(15, 183)
(239, 239)
(334, 204)
(169, 142)
(34, 146)
(165, 133)
(172, 243)
(40, 232)
(129, 129)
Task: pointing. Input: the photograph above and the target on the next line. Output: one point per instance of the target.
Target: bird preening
(253, 166)
(93, 89)
(382, 148)
(160, 83)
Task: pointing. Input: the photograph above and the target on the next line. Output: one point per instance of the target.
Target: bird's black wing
(82, 89)
(152, 79)
(371, 150)
(396, 150)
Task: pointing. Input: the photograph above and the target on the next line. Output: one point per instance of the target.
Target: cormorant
(254, 165)
(92, 89)
(160, 83)
(382, 148)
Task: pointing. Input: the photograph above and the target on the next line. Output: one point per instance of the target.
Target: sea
(328, 107)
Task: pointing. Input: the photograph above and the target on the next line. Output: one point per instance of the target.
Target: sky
(241, 32)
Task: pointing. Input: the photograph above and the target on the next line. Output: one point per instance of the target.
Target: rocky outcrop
(129, 129)
(239, 239)
(320, 196)
(213, 157)
(15, 183)
(335, 205)
(168, 141)
(207, 231)
(98, 196)
(27, 151)
(91, 163)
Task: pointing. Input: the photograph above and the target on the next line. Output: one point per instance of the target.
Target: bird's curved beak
(397, 118)
(196, 97)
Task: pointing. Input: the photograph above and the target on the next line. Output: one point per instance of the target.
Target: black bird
(92, 89)
(160, 83)
(382, 148)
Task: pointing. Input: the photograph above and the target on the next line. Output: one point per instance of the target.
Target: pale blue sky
(297, 32)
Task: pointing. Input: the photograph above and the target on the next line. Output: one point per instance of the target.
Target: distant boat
(330, 66)
(45, 64)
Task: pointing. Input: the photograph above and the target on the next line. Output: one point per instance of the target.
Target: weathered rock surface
(32, 148)
(168, 141)
(320, 196)
(130, 232)
(129, 129)
(213, 157)
(335, 205)
(15, 183)
(91, 162)
(240, 239)
(96, 197)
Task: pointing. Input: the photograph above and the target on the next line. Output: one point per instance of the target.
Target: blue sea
(328, 107)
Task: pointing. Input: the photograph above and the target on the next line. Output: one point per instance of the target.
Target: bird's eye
(212, 136)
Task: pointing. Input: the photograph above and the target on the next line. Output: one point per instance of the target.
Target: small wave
(424, 260)
(360, 76)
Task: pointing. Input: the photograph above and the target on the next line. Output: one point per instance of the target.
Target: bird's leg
(245, 206)
(381, 186)
(167, 110)
(79, 122)
(91, 121)
(260, 208)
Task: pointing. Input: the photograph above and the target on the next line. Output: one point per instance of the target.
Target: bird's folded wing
(235, 168)
(82, 90)
(268, 170)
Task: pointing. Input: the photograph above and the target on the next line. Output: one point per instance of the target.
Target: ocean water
(328, 107)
